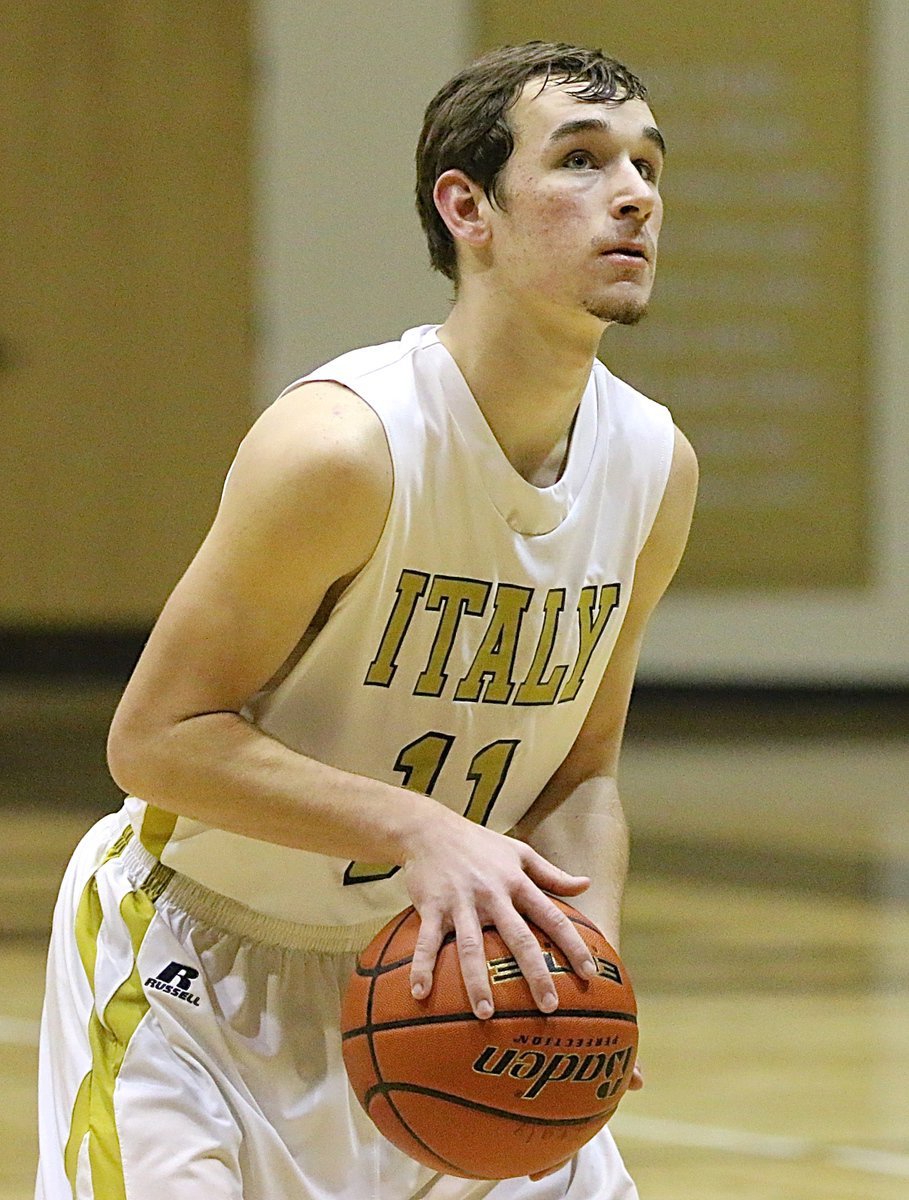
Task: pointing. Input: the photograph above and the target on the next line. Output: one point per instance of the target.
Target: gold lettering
(590, 630)
(535, 689)
(454, 597)
(411, 587)
(494, 661)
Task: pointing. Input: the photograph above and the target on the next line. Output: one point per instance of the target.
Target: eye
(579, 159)
(647, 169)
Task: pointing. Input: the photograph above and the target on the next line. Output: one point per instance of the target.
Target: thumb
(552, 878)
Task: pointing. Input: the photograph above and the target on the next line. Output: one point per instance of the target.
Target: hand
(461, 876)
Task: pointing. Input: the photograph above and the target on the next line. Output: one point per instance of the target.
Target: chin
(619, 312)
(625, 305)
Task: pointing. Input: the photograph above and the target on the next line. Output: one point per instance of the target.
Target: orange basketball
(509, 1096)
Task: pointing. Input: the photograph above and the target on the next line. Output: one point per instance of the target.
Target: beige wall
(124, 299)
(827, 635)
(342, 90)
(108, 490)
(343, 263)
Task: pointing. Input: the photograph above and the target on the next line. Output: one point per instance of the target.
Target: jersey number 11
(421, 762)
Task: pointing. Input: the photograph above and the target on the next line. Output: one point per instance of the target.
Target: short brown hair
(466, 123)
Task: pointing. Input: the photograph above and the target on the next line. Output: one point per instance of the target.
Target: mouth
(625, 252)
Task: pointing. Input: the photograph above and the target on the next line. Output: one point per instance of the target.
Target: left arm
(577, 821)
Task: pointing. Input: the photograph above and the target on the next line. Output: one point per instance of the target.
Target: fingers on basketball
(546, 914)
(425, 952)
(471, 950)
(524, 945)
(512, 1096)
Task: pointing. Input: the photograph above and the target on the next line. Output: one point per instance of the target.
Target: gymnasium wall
(239, 207)
(812, 593)
(125, 312)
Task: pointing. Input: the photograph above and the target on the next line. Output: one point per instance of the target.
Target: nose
(632, 194)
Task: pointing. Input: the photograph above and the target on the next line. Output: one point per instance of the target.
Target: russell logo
(176, 979)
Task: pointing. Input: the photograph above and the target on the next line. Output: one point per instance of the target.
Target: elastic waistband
(230, 916)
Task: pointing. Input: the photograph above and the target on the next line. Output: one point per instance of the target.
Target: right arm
(303, 509)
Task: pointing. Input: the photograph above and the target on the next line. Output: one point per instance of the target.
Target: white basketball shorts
(190, 1048)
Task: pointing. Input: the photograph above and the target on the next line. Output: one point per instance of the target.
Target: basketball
(509, 1096)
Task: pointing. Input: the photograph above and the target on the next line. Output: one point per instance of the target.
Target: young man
(396, 672)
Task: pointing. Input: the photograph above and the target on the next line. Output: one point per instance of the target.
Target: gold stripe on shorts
(157, 829)
(109, 1036)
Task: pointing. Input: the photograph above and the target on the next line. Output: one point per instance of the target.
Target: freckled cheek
(562, 223)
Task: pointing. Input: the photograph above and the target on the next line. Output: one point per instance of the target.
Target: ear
(464, 208)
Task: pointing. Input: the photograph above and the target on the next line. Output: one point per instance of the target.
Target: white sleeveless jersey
(463, 658)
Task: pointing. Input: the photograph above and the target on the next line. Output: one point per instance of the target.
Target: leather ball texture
(495, 1099)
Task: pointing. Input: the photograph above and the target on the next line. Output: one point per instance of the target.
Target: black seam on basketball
(525, 1118)
(403, 918)
(448, 1018)
(586, 924)
(385, 968)
(367, 1029)
(370, 993)
(449, 937)
(382, 1089)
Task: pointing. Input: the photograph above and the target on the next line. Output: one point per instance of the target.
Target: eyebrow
(569, 129)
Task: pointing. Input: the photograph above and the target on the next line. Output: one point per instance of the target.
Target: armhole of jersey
(666, 433)
(387, 523)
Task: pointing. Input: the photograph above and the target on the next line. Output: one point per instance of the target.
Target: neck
(527, 372)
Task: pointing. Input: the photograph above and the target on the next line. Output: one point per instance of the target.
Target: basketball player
(396, 672)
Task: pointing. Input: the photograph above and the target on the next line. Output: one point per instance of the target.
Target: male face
(581, 209)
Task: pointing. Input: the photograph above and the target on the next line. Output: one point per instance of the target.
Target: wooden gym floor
(767, 929)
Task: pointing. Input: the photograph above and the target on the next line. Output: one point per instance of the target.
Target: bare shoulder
(303, 508)
(319, 428)
(683, 474)
(316, 463)
(681, 491)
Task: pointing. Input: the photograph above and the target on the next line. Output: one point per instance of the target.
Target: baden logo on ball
(510, 1096)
